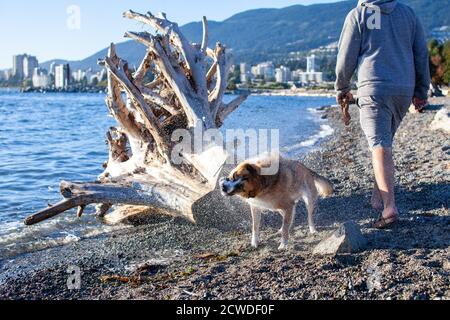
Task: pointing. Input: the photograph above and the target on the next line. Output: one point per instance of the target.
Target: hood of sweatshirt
(386, 6)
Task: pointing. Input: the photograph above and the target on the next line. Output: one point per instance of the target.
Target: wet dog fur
(278, 192)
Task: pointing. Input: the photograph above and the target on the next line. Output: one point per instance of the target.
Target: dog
(276, 192)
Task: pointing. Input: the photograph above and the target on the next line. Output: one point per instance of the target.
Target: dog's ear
(252, 169)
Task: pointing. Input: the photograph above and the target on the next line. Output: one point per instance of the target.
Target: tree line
(439, 62)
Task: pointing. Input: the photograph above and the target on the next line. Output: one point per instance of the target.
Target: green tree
(231, 86)
(95, 81)
(437, 62)
(446, 55)
(27, 83)
(234, 78)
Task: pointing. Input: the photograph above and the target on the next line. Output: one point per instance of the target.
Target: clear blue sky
(41, 27)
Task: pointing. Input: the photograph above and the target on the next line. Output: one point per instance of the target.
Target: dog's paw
(255, 242)
(283, 246)
(312, 230)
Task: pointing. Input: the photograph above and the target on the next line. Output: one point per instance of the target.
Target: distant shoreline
(255, 92)
(69, 90)
(297, 93)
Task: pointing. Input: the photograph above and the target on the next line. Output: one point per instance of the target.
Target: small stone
(346, 239)
(446, 265)
(442, 120)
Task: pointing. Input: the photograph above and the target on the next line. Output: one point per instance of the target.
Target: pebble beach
(169, 258)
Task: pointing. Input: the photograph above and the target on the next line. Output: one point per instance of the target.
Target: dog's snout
(226, 186)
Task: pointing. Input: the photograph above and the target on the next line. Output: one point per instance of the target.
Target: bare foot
(312, 230)
(283, 246)
(376, 202)
(387, 218)
(390, 213)
(255, 242)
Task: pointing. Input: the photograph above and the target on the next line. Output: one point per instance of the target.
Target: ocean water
(46, 138)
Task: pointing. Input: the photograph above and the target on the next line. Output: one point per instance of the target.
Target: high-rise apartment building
(29, 64)
(23, 66)
(17, 69)
(62, 76)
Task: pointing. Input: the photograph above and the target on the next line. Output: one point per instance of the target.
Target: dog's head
(244, 181)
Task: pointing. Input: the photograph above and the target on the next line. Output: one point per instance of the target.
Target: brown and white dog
(279, 192)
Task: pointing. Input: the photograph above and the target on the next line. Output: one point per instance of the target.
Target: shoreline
(298, 93)
(256, 92)
(213, 259)
(69, 90)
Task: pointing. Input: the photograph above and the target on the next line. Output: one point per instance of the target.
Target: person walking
(384, 41)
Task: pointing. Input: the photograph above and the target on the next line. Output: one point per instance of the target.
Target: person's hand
(344, 97)
(344, 100)
(419, 104)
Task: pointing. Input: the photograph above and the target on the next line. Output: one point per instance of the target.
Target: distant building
(4, 75)
(93, 79)
(29, 64)
(7, 74)
(23, 66)
(17, 69)
(246, 74)
(89, 74)
(283, 74)
(296, 74)
(255, 71)
(103, 75)
(311, 63)
(40, 78)
(79, 75)
(62, 76)
(244, 68)
(265, 70)
(331, 49)
(311, 75)
(52, 68)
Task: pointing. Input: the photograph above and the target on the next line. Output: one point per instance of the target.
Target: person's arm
(349, 49)
(421, 63)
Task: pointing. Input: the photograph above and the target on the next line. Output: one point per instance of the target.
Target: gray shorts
(381, 116)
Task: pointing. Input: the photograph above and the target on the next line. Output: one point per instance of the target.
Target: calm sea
(46, 138)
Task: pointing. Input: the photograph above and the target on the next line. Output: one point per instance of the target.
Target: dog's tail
(323, 185)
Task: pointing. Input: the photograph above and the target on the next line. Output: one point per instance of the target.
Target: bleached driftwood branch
(189, 82)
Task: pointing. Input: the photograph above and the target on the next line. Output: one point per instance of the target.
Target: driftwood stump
(189, 82)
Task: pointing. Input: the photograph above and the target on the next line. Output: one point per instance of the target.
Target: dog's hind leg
(288, 217)
(291, 227)
(256, 226)
(310, 200)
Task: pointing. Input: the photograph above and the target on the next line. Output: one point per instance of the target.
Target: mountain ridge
(260, 34)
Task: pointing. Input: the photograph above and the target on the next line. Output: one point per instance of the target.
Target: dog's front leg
(256, 226)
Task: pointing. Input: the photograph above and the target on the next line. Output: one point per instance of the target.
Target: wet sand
(166, 258)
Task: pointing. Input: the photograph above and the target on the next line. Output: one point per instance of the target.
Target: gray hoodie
(391, 56)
